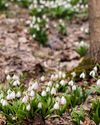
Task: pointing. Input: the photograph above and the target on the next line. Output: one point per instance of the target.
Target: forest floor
(18, 51)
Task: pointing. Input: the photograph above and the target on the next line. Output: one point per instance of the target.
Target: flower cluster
(82, 48)
(54, 96)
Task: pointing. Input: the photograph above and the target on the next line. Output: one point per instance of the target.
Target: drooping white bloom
(98, 82)
(43, 93)
(18, 94)
(4, 102)
(63, 100)
(39, 105)
(15, 77)
(63, 75)
(71, 83)
(95, 69)
(57, 86)
(56, 106)
(35, 86)
(42, 78)
(48, 89)
(50, 83)
(8, 77)
(16, 82)
(82, 75)
(25, 99)
(58, 99)
(60, 74)
(11, 95)
(73, 74)
(32, 93)
(92, 73)
(28, 107)
(74, 87)
(53, 91)
(62, 82)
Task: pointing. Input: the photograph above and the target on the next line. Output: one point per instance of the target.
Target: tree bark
(94, 21)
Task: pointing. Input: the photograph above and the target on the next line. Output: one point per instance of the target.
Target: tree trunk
(94, 21)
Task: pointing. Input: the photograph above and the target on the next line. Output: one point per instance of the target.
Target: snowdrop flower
(32, 93)
(28, 107)
(52, 77)
(15, 83)
(98, 82)
(53, 91)
(74, 87)
(39, 105)
(73, 74)
(71, 83)
(56, 77)
(42, 78)
(63, 75)
(56, 106)
(82, 75)
(35, 86)
(48, 89)
(57, 86)
(62, 82)
(8, 77)
(60, 74)
(11, 96)
(18, 94)
(15, 77)
(63, 100)
(43, 93)
(25, 99)
(95, 69)
(92, 73)
(50, 83)
(4, 102)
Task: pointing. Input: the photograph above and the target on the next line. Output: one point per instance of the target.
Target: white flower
(53, 91)
(28, 107)
(8, 77)
(11, 96)
(71, 83)
(42, 78)
(25, 99)
(39, 105)
(18, 94)
(35, 86)
(15, 77)
(95, 69)
(4, 102)
(98, 82)
(92, 73)
(15, 83)
(63, 75)
(82, 75)
(32, 93)
(62, 82)
(60, 74)
(73, 74)
(48, 89)
(74, 87)
(58, 99)
(56, 77)
(56, 106)
(49, 83)
(43, 93)
(63, 100)
(57, 85)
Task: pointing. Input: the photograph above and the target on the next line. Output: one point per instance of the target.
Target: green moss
(86, 66)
